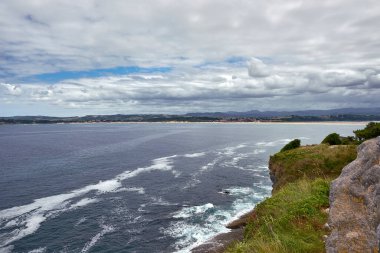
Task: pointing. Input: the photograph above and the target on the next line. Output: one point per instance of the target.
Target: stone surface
(354, 214)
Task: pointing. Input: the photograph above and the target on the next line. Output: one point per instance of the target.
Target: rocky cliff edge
(354, 214)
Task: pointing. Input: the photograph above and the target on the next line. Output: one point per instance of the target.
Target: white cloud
(209, 89)
(320, 52)
(256, 68)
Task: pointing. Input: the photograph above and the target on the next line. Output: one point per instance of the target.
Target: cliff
(293, 219)
(315, 161)
(354, 215)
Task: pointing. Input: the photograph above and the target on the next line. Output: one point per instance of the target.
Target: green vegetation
(292, 219)
(291, 145)
(332, 139)
(316, 161)
(372, 130)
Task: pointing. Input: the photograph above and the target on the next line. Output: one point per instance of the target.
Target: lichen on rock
(354, 215)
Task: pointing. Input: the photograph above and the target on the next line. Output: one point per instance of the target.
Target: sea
(135, 187)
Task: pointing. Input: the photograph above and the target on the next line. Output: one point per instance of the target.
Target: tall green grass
(317, 161)
(293, 219)
(290, 221)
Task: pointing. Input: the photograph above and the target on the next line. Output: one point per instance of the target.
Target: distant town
(346, 114)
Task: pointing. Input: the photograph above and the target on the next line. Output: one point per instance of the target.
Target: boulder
(354, 214)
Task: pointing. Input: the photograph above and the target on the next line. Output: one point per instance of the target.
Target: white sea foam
(7, 249)
(194, 155)
(191, 234)
(258, 151)
(80, 221)
(198, 224)
(159, 201)
(220, 155)
(193, 210)
(139, 190)
(27, 219)
(228, 151)
(163, 164)
(273, 143)
(84, 202)
(105, 230)
(38, 250)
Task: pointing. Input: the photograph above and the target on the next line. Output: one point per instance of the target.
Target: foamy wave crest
(220, 154)
(198, 224)
(193, 210)
(7, 249)
(258, 151)
(80, 221)
(84, 202)
(105, 230)
(38, 250)
(26, 219)
(273, 143)
(195, 155)
(278, 142)
(163, 164)
(139, 190)
(231, 150)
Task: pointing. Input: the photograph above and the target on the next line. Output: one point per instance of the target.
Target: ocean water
(134, 187)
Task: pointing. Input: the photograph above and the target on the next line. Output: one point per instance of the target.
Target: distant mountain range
(344, 114)
(255, 113)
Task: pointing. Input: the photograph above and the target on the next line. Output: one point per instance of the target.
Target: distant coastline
(200, 122)
(163, 118)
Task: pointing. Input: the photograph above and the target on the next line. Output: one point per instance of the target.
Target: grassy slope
(292, 219)
(316, 161)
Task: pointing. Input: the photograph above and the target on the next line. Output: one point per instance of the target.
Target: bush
(372, 130)
(332, 139)
(291, 145)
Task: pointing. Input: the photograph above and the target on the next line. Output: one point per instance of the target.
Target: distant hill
(255, 113)
(345, 114)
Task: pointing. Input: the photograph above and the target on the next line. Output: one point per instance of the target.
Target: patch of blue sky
(233, 61)
(94, 73)
(237, 60)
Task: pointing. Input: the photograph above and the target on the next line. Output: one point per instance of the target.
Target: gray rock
(354, 214)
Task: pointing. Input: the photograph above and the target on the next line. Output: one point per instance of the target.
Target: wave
(279, 142)
(193, 210)
(139, 190)
(105, 230)
(27, 219)
(220, 155)
(198, 224)
(273, 143)
(194, 155)
(7, 249)
(38, 250)
(80, 221)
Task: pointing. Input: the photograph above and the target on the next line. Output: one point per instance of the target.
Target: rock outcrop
(354, 214)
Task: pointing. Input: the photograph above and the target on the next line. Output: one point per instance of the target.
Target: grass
(290, 221)
(293, 219)
(316, 161)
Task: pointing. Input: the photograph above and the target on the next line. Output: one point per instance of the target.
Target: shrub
(291, 145)
(332, 139)
(372, 130)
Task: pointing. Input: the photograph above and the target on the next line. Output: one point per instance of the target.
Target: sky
(66, 58)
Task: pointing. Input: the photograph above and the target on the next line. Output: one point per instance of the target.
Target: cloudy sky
(60, 57)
